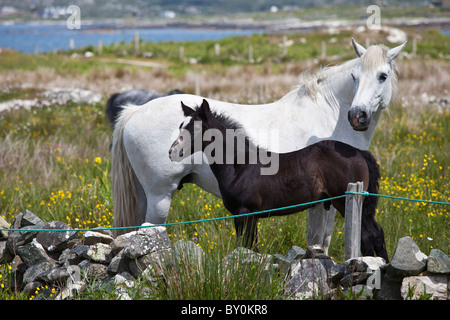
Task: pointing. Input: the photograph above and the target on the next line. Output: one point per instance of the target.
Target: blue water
(26, 36)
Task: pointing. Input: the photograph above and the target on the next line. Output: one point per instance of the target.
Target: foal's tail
(372, 235)
(122, 174)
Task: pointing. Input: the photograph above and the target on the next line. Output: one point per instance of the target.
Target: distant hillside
(169, 8)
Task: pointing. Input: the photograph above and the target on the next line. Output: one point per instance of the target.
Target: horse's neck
(233, 158)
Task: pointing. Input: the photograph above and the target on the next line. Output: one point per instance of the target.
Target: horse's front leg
(246, 231)
(320, 227)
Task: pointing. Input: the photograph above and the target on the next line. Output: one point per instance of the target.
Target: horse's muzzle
(174, 155)
(359, 119)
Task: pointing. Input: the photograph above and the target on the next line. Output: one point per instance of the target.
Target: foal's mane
(224, 120)
(229, 123)
(313, 84)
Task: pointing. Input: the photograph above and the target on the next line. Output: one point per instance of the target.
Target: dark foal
(319, 171)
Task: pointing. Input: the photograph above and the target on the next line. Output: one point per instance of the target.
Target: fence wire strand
(364, 193)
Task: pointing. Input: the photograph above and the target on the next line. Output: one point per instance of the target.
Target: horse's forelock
(374, 57)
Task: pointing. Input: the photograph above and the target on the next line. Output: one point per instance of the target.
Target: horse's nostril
(363, 116)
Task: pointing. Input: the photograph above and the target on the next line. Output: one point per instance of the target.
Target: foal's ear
(394, 52)
(205, 107)
(359, 49)
(187, 110)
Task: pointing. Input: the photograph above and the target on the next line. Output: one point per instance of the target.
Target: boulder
(34, 253)
(309, 278)
(4, 225)
(284, 261)
(188, 253)
(408, 260)
(438, 262)
(26, 221)
(362, 270)
(54, 241)
(33, 272)
(93, 237)
(100, 252)
(141, 242)
(432, 287)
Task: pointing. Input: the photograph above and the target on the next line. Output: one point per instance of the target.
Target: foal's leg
(246, 231)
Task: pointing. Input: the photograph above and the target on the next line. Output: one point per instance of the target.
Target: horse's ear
(187, 110)
(359, 49)
(205, 107)
(394, 52)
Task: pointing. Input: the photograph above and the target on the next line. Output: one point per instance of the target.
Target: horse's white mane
(312, 84)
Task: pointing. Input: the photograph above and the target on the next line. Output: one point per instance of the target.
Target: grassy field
(55, 161)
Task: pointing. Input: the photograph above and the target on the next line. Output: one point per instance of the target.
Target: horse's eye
(382, 77)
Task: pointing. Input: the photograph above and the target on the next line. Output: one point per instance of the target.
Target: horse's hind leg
(158, 204)
(141, 208)
(320, 227)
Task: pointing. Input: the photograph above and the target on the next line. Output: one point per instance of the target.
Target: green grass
(55, 162)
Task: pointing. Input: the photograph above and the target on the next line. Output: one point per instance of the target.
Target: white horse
(341, 103)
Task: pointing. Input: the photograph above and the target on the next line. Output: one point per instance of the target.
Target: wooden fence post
(352, 227)
(250, 54)
(323, 55)
(136, 43)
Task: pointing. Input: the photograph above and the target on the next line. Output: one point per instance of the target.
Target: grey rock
(26, 219)
(242, 255)
(364, 264)
(188, 253)
(284, 261)
(73, 256)
(358, 270)
(54, 241)
(152, 266)
(94, 271)
(408, 260)
(4, 225)
(33, 253)
(145, 241)
(33, 272)
(119, 264)
(30, 288)
(5, 255)
(337, 272)
(57, 274)
(93, 237)
(309, 278)
(433, 287)
(316, 252)
(359, 291)
(354, 278)
(100, 252)
(438, 262)
(390, 289)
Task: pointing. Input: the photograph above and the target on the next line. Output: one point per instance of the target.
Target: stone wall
(71, 262)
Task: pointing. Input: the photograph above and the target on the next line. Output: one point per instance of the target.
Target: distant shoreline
(285, 25)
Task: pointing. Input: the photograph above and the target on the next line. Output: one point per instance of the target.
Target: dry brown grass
(241, 83)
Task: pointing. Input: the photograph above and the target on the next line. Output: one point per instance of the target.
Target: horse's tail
(111, 109)
(372, 235)
(122, 174)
